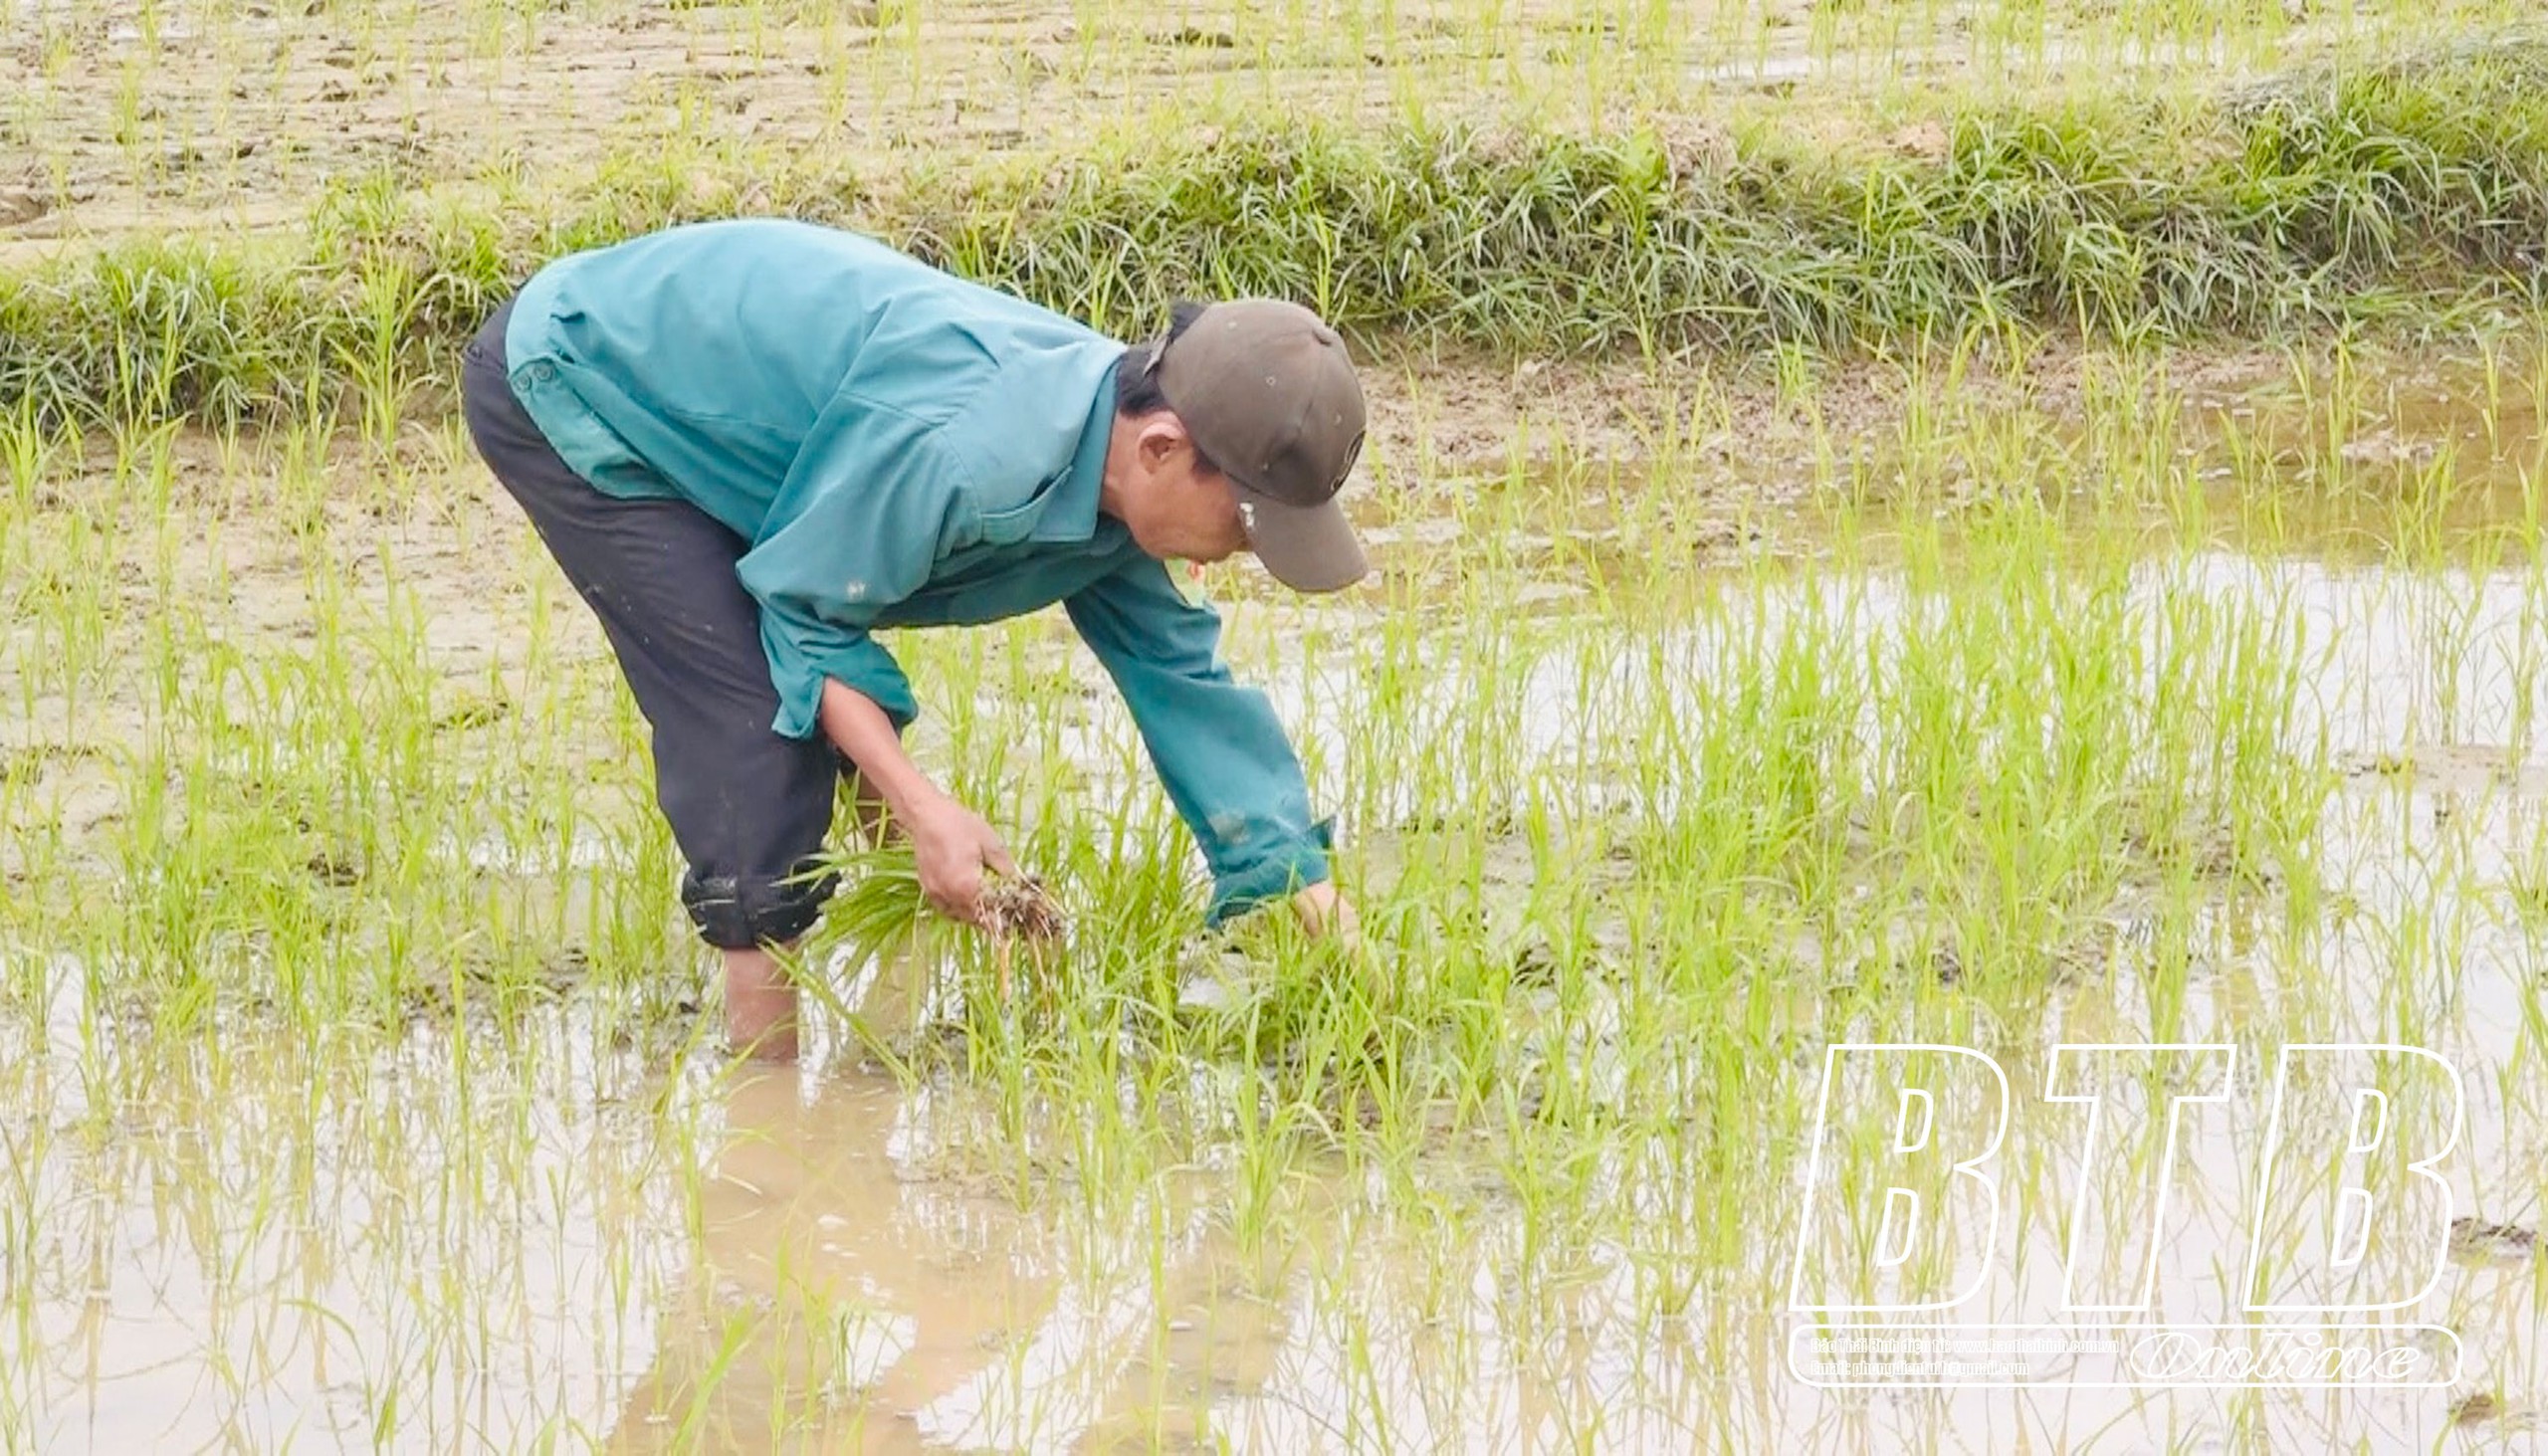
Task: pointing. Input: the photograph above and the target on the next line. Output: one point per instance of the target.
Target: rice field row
(358, 1091)
(2006, 526)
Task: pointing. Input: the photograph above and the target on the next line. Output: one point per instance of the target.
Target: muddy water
(2424, 685)
(535, 1234)
(288, 1244)
(245, 1267)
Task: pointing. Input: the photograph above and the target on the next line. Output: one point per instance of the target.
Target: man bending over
(749, 444)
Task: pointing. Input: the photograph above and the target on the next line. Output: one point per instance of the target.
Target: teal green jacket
(900, 448)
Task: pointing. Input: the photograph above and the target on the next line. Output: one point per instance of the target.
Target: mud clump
(1022, 910)
(1019, 909)
(2478, 1241)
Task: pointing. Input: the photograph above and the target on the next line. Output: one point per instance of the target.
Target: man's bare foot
(760, 1007)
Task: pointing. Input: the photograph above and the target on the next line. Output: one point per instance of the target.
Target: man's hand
(1324, 912)
(953, 845)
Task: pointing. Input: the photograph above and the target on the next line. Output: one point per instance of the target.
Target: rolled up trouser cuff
(741, 913)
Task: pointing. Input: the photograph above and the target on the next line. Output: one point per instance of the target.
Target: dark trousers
(749, 807)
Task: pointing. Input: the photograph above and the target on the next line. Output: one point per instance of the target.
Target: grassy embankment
(2323, 199)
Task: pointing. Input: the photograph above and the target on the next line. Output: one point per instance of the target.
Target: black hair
(1136, 391)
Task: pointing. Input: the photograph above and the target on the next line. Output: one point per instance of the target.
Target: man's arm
(1219, 748)
(859, 524)
(951, 843)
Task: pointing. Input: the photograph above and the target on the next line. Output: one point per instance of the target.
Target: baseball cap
(1265, 390)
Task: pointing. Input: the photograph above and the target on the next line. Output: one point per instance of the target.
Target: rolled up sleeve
(860, 523)
(805, 649)
(1217, 747)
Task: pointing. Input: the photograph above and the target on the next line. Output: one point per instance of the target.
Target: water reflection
(845, 1298)
(243, 1239)
(843, 1293)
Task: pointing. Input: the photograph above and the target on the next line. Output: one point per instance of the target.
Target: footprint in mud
(2476, 1408)
(2485, 1408)
(335, 869)
(2475, 1241)
(1196, 37)
(2449, 767)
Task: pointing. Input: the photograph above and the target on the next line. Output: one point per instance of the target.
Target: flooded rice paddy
(356, 1091)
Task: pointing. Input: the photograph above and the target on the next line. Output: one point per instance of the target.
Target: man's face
(1175, 508)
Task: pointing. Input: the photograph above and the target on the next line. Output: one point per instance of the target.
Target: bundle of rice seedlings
(881, 902)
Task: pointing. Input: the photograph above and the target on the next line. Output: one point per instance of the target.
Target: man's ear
(1162, 436)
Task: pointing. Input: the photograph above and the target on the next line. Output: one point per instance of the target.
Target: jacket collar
(1070, 508)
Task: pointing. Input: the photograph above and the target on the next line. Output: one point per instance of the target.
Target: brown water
(552, 1232)
(256, 1249)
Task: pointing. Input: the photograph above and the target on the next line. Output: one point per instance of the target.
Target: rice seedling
(1940, 652)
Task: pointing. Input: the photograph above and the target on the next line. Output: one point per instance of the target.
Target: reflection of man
(804, 1220)
(750, 443)
(846, 1307)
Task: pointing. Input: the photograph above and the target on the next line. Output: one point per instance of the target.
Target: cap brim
(1307, 547)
